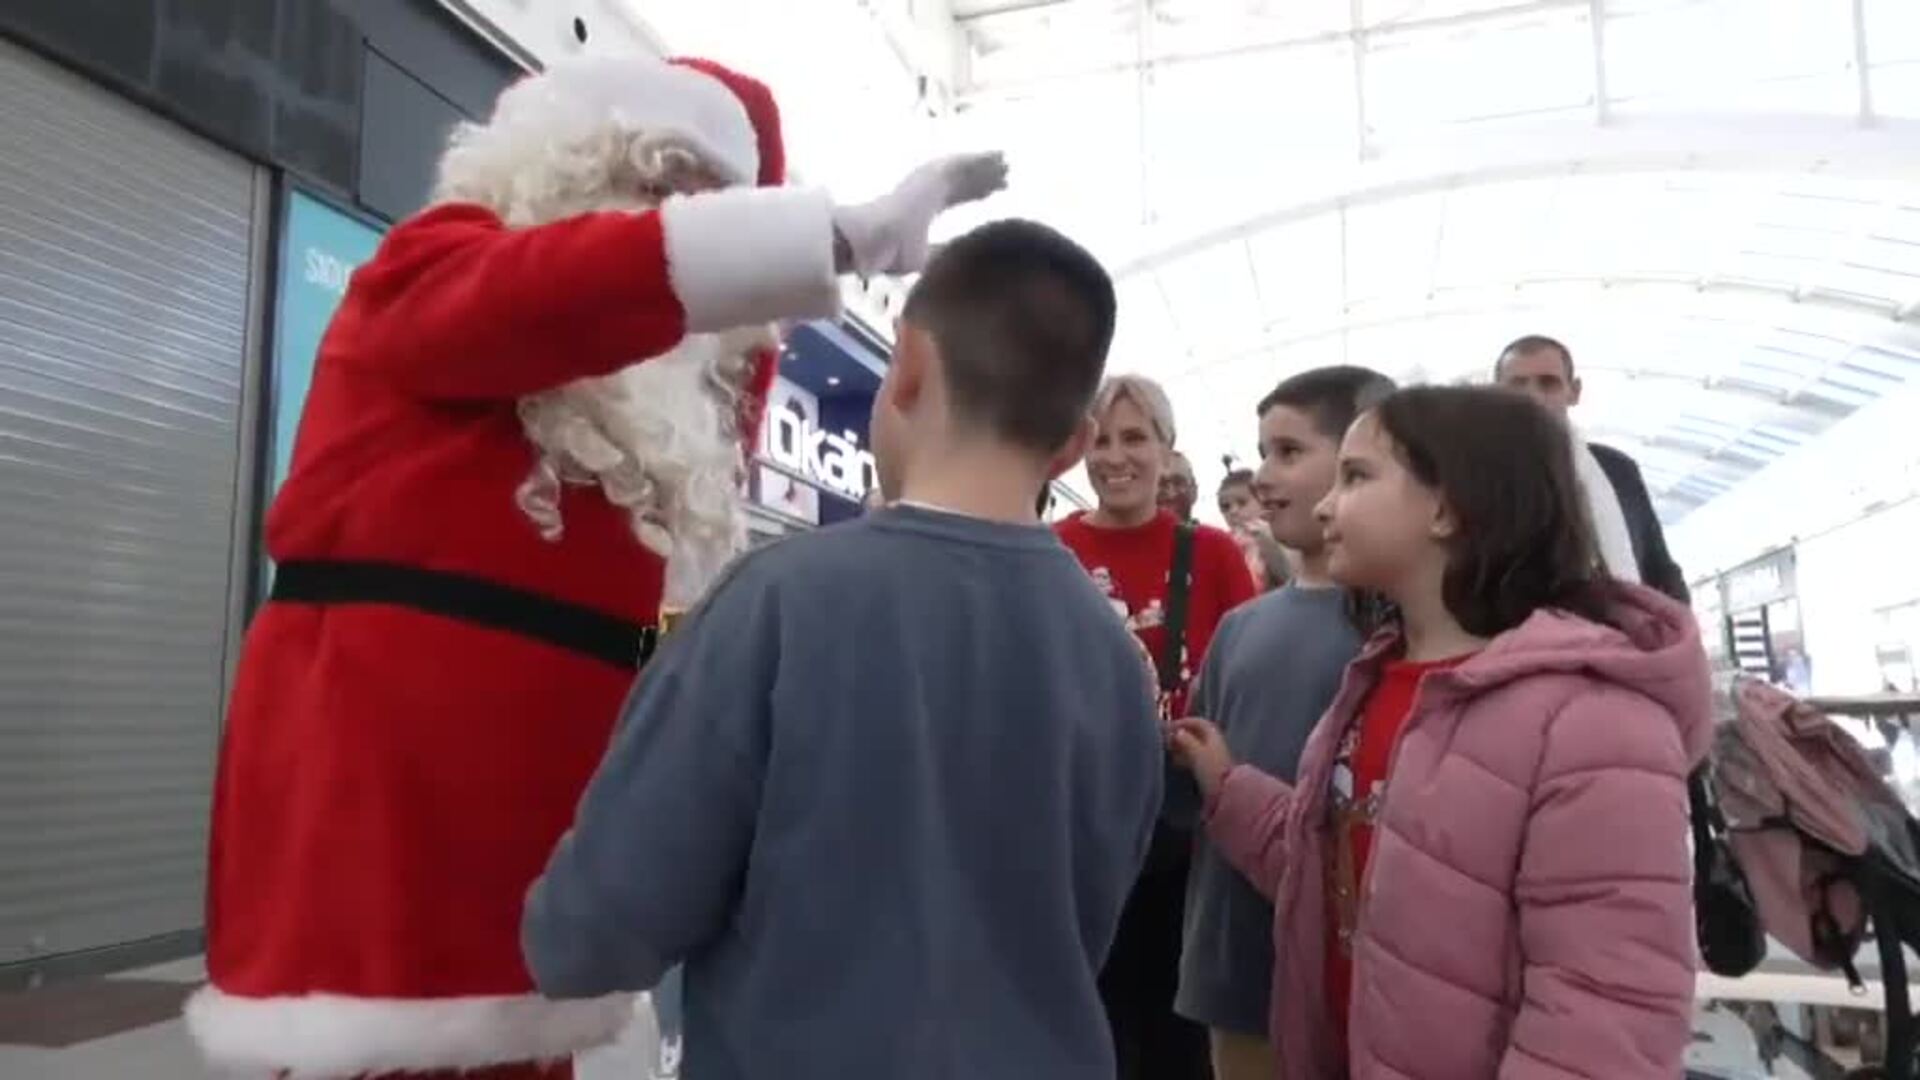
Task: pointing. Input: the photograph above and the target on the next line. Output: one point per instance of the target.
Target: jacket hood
(1653, 648)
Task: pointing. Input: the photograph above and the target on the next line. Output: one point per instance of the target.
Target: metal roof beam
(1862, 63)
(1018, 87)
(1597, 16)
(1849, 244)
(929, 44)
(1500, 153)
(1007, 7)
(535, 36)
(1657, 299)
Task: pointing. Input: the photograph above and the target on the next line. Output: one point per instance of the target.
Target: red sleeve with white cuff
(454, 297)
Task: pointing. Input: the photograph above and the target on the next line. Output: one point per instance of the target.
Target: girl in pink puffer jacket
(1482, 870)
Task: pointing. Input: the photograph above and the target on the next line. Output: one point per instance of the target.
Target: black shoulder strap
(1903, 1041)
(1179, 591)
(1708, 829)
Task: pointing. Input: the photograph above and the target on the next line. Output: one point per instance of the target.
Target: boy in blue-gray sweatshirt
(884, 791)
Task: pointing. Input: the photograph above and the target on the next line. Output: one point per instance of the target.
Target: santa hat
(729, 119)
(769, 167)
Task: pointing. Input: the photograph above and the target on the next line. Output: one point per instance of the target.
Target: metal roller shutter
(125, 247)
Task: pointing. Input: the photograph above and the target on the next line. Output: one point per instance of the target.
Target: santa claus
(526, 429)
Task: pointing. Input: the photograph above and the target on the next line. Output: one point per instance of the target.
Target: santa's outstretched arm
(457, 305)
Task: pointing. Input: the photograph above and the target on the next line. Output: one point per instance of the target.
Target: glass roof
(1715, 203)
(1718, 320)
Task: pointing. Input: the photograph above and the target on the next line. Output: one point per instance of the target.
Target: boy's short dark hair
(1023, 318)
(1332, 396)
(1529, 345)
(1237, 478)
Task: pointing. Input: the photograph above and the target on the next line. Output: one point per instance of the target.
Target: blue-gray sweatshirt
(883, 793)
(1272, 670)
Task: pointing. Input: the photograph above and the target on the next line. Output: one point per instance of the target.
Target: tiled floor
(157, 1050)
(126, 1028)
(161, 1050)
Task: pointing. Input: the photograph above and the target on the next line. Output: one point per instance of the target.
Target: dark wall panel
(215, 63)
(319, 87)
(402, 139)
(317, 112)
(112, 39)
(420, 37)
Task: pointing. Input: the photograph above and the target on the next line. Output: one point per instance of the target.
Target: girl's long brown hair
(1504, 467)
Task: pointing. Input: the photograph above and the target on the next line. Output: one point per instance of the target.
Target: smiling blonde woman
(1172, 582)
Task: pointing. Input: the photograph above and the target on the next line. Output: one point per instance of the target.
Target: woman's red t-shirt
(1131, 567)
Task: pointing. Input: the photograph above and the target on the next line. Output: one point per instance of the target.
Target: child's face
(1126, 460)
(1296, 471)
(1384, 529)
(1238, 506)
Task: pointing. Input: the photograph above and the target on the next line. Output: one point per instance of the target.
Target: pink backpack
(1827, 849)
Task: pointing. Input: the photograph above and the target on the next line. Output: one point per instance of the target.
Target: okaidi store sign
(793, 438)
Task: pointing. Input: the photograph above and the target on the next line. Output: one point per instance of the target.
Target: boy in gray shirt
(884, 791)
(1274, 666)
(1272, 670)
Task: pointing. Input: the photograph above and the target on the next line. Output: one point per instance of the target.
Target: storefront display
(129, 245)
(1898, 639)
(1761, 601)
(1859, 589)
(813, 466)
(320, 248)
(169, 276)
(1710, 610)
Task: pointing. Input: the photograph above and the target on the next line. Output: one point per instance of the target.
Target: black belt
(620, 642)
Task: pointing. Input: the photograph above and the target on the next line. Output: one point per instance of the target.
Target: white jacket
(1603, 509)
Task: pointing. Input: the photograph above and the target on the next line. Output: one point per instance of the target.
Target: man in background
(1542, 368)
(1178, 489)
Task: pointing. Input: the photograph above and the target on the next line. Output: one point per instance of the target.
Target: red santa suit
(419, 706)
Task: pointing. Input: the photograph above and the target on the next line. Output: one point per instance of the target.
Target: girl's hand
(1200, 746)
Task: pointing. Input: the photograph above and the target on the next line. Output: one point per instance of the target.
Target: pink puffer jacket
(1527, 912)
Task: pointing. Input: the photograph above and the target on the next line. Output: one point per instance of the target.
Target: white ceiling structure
(1715, 203)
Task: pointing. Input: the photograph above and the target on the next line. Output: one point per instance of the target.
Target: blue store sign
(816, 426)
(320, 247)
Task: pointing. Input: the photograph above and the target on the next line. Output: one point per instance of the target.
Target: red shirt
(1359, 787)
(1131, 567)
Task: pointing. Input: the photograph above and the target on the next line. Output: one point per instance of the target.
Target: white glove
(889, 235)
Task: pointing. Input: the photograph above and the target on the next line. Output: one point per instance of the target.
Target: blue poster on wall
(320, 247)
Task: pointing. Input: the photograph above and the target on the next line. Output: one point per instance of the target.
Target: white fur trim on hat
(751, 255)
(642, 95)
(315, 1036)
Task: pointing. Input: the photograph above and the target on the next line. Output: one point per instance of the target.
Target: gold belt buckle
(668, 617)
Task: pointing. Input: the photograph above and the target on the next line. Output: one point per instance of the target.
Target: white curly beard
(660, 437)
(662, 440)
